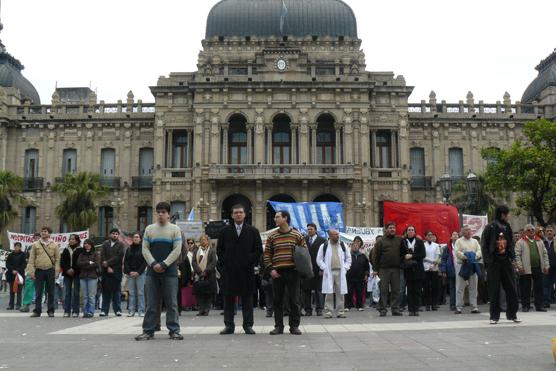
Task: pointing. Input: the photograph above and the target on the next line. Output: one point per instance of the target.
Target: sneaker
(493, 322)
(341, 315)
(277, 331)
(319, 313)
(118, 314)
(141, 314)
(50, 314)
(102, 314)
(35, 314)
(516, 320)
(75, 315)
(475, 311)
(328, 315)
(346, 309)
(360, 309)
(458, 311)
(131, 314)
(66, 315)
(144, 336)
(176, 336)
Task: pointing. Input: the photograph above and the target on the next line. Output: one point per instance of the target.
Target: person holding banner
(15, 265)
(386, 264)
(44, 267)
(278, 258)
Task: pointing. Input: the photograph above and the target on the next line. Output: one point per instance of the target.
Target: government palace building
(282, 107)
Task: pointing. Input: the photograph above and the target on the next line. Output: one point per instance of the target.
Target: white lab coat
(325, 262)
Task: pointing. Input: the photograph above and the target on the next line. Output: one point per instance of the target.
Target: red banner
(441, 219)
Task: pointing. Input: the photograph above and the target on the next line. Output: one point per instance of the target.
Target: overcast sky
(452, 47)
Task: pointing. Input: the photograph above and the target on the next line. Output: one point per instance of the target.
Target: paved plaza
(363, 341)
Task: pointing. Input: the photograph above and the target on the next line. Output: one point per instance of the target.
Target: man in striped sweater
(161, 249)
(278, 259)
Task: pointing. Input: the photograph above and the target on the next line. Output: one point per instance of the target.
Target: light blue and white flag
(283, 15)
(325, 215)
(191, 216)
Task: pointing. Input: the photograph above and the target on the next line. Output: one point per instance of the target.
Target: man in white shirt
(466, 244)
(432, 277)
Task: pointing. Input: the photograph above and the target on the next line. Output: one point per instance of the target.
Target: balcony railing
(112, 182)
(421, 182)
(265, 171)
(142, 182)
(33, 184)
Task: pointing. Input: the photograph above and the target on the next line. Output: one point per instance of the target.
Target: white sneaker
(493, 322)
(360, 309)
(141, 314)
(131, 314)
(328, 315)
(346, 310)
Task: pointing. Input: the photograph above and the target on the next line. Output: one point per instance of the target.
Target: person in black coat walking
(412, 253)
(239, 249)
(15, 263)
(314, 241)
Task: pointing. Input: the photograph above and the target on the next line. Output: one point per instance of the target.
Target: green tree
(528, 169)
(11, 187)
(81, 191)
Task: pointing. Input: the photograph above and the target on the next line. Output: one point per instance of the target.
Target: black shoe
(525, 309)
(411, 314)
(434, 308)
(102, 314)
(268, 314)
(175, 336)
(428, 308)
(541, 310)
(295, 331)
(277, 331)
(144, 336)
(452, 307)
(545, 306)
(118, 314)
(35, 314)
(157, 328)
(397, 314)
(10, 308)
(227, 331)
(249, 331)
(319, 313)
(308, 313)
(50, 314)
(383, 314)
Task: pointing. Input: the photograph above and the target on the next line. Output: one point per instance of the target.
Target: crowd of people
(164, 270)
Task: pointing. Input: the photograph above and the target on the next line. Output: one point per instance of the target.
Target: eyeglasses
(190, 242)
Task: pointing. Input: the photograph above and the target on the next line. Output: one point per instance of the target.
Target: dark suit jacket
(114, 256)
(314, 283)
(237, 258)
(416, 272)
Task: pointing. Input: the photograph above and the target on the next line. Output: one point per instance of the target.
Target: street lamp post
(472, 191)
(446, 186)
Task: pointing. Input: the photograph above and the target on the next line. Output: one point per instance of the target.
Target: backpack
(326, 247)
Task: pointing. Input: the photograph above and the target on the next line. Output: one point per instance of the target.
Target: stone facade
(284, 118)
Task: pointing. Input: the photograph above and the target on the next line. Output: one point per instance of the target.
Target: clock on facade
(281, 64)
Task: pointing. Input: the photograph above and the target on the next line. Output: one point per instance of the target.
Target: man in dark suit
(314, 284)
(239, 250)
(111, 257)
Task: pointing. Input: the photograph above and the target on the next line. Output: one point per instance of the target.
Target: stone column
(250, 144)
(348, 143)
(293, 147)
(338, 145)
(198, 144)
(214, 156)
(314, 144)
(269, 144)
(365, 150)
(393, 149)
(303, 143)
(190, 147)
(169, 148)
(373, 149)
(225, 145)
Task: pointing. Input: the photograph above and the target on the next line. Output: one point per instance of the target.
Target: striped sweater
(278, 252)
(162, 244)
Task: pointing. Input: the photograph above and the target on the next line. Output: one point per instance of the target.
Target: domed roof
(546, 78)
(265, 18)
(11, 77)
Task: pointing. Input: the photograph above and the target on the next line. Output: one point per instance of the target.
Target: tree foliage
(81, 191)
(528, 169)
(11, 187)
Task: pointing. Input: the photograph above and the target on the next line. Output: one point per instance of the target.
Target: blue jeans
(136, 288)
(89, 286)
(71, 294)
(549, 280)
(452, 289)
(155, 286)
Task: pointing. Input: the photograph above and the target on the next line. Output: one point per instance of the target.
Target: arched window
(281, 140)
(326, 140)
(455, 162)
(237, 140)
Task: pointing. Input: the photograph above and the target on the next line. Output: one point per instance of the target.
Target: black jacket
(359, 268)
(86, 269)
(237, 258)
(15, 261)
(134, 260)
(489, 241)
(66, 263)
(114, 256)
(551, 254)
(314, 283)
(185, 271)
(413, 271)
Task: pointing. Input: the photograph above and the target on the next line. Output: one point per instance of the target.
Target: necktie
(238, 230)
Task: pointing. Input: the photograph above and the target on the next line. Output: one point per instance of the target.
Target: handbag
(203, 287)
(303, 264)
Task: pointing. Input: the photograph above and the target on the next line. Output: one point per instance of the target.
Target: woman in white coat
(334, 260)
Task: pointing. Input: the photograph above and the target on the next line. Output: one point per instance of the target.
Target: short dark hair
(389, 224)
(76, 238)
(500, 210)
(238, 206)
(357, 238)
(18, 244)
(312, 225)
(45, 228)
(115, 230)
(285, 214)
(163, 206)
(90, 242)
